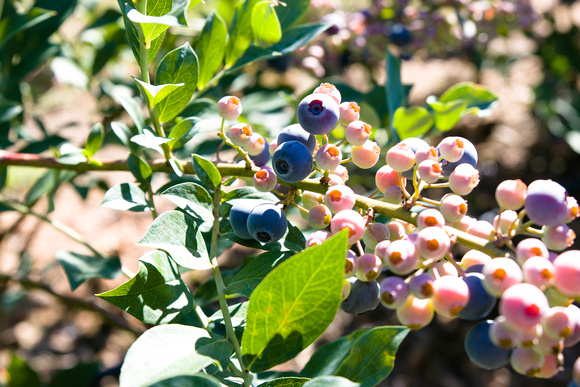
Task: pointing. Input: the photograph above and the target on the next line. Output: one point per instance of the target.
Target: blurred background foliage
(65, 65)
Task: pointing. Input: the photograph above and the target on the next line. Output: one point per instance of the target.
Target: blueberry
(399, 35)
(481, 350)
(292, 161)
(295, 132)
(318, 113)
(364, 296)
(480, 302)
(262, 158)
(415, 143)
(239, 212)
(469, 157)
(267, 223)
(545, 203)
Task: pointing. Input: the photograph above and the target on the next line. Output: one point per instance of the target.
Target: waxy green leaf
(193, 199)
(126, 197)
(240, 34)
(211, 47)
(207, 172)
(447, 114)
(155, 93)
(412, 121)
(265, 24)
(79, 267)
(95, 139)
(183, 131)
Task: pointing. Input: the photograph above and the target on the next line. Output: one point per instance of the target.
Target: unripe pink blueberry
(433, 243)
(415, 313)
(375, 233)
(317, 237)
(256, 145)
(349, 112)
(450, 295)
(397, 230)
(453, 207)
(530, 247)
(421, 286)
(550, 367)
(557, 323)
(357, 132)
(328, 157)
(464, 223)
(451, 148)
(394, 195)
(401, 257)
(429, 153)
(229, 107)
(538, 271)
(567, 273)
(463, 179)
(265, 180)
(330, 90)
(310, 199)
(365, 156)
(482, 229)
(573, 209)
(474, 257)
(523, 305)
(444, 268)
(430, 218)
(350, 264)
(381, 250)
(500, 274)
(511, 194)
(429, 171)
(504, 221)
(334, 179)
(339, 198)
(319, 217)
(240, 134)
(342, 172)
(386, 177)
(394, 292)
(401, 157)
(503, 335)
(350, 220)
(272, 146)
(526, 361)
(559, 237)
(368, 267)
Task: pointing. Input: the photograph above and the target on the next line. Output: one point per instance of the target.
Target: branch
(10, 158)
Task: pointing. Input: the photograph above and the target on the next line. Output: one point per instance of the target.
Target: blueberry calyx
(316, 107)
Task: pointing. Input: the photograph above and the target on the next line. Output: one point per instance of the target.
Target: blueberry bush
(272, 181)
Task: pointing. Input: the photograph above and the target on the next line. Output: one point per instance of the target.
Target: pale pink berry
(430, 218)
(368, 267)
(401, 257)
(567, 273)
(523, 305)
(482, 229)
(339, 198)
(474, 257)
(504, 221)
(444, 268)
(272, 146)
(350, 264)
(317, 237)
(574, 338)
(451, 148)
(573, 209)
(415, 313)
(433, 243)
(429, 171)
(357, 132)
(559, 237)
(450, 295)
(329, 89)
(511, 194)
(550, 368)
(464, 223)
(349, 112)
(328, 157)
(342, 172)
(530, 247)
(375, 233)
(240, 134)
(463, 179)
(429, 153)
(394, 292)
(453, 207)
(365, 156)
(310, 199)
(334, 179)
(503, 335)
(319, 217)
(381, 250)
(351, 221)
(401, 157)
(557, 323)
(394, 195)
(526, 361)
(530, 336)
(538, 271)
(265, 180)
(500, 274)
(229, 107)
(397, 230)
(421, 286)
(256, 145)
(386, 177)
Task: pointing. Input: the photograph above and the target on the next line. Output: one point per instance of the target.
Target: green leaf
(197, 380)
(178, 233)
(285, 382)
(156, 295)
(193, 199)
(79, 267)
(119, 93)
(394, 89)
(126, 197)
(151, 26)
(364, 356)
(446, 114)
(95, 139)
(240, 36)
(294, 239)
(150, 140)
(164, 352)
(248, 193)
(238, 313)
(294, 304)
(179, 66)
(123, 133)
(155, 93)
(265, 24)
(182, 132)
(139, 168)
(21, 374)
(10, 26)
(207, 172)
(250, 276)
(9, 110)
(330, 380)
(82, 374)
(474, 95)
(412, 121)
(211, 47)
(291, 12)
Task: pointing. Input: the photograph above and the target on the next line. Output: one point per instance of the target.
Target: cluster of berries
(408, 265)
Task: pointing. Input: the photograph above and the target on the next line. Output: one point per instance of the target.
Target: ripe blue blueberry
(481, 350)
(295, 132)
(318, 113)
(480, 302)
(399, 35)
(469, 157)
(364, 296)
(545, 203)
(239, 212)
(292, 161)
(267, 223)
